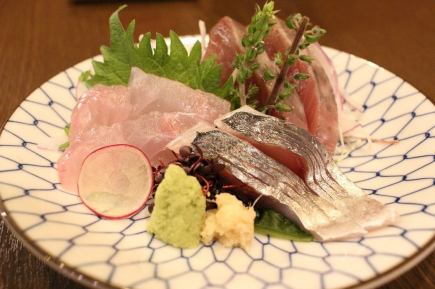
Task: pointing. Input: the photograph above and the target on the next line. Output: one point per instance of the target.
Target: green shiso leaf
(63, 146)
(66, 129)
(172, 62)
(276, 225)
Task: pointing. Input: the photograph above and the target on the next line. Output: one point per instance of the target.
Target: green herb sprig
(246, 65)
(253, 43)
(65, 145)
(306, 34)
(174, 63)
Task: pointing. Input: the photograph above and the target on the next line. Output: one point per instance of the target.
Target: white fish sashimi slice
(106, 105)
(148, 114)
(150, 133)
(167, 95)
(101, 106)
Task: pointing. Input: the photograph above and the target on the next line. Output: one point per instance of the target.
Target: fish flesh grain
(107, 105)
(148, 114)
(313, 102)
(225, 43)
(257, 174)
(149, 132)
(318, 93)
(308, 158)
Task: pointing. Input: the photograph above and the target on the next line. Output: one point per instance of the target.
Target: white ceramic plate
(56, 227)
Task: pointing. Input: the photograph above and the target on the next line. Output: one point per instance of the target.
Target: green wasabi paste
(179, 210)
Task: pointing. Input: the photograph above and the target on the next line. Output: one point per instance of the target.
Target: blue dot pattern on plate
(122, 253)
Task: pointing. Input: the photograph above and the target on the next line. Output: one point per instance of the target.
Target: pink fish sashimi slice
(277, 41)
(226, 42)
(100, 106)
(150, 133)
(320, 106)
(315, 93)
(148, 114)
(167, 95)
(265, 87)
(106, 105)
(330, 95)
(297, 113)
(316, 51)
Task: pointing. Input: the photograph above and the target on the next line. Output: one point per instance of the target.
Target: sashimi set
(220, 142)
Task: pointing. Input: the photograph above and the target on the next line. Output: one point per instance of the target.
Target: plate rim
(86, 280)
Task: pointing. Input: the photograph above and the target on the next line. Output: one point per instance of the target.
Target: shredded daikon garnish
(351, 131)
(203, 32)
(343, 151)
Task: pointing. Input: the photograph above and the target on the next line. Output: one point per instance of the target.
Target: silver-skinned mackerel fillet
(302, 153)
(279, 187)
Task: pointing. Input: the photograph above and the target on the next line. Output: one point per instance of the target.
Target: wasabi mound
(179, 211)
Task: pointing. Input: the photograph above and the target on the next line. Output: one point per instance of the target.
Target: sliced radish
(115, 181)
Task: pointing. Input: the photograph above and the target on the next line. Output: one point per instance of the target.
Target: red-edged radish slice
(115, 181)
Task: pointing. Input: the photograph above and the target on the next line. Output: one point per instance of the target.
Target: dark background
(39, 38)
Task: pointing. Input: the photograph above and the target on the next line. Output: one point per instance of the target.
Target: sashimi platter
(248, 156)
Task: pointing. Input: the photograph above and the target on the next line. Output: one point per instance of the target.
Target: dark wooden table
(39, 38)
